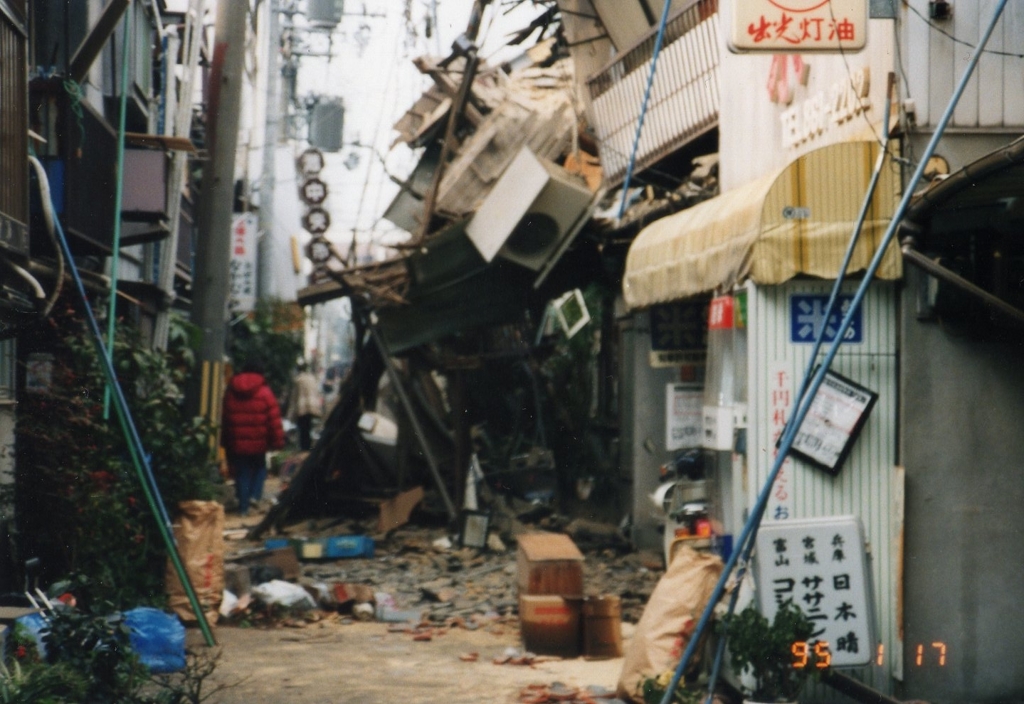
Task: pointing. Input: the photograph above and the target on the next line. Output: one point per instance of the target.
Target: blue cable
(750, 529)
(643, 109)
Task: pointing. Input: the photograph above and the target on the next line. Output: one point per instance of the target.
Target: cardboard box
(282, 558)
(550, 625)
(549, 563)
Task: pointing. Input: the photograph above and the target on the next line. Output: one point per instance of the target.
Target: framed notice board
(837, 415)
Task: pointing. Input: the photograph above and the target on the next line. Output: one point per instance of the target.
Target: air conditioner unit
(529, 212)
(325, 13)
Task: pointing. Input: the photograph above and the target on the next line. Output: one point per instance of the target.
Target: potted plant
(765, 651)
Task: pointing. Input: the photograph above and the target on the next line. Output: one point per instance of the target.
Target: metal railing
(684, 96)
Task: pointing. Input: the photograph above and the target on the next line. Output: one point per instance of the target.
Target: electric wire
(957, 40)
(140, 460)
(352, 252)
(749, 531)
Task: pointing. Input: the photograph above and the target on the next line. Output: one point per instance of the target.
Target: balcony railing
(684, 96)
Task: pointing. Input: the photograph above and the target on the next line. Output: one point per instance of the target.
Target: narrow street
(469, 648)
(364, 662)
(433, 350)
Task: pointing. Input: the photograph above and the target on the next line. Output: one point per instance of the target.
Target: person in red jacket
(250, 427)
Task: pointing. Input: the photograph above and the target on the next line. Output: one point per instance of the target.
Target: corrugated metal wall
(866, 483)
(935, 53)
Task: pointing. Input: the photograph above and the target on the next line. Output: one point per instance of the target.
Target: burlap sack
(199, 531)
(669, 619)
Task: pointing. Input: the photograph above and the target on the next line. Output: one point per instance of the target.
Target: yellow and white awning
(797, 220)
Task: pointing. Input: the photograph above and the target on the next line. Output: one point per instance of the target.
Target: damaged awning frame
(990, 179)
(793, 221)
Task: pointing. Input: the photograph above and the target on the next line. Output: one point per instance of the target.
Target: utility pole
(271, 136)
(211, 283)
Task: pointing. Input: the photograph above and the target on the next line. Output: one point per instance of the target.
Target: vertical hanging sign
(780, 392)
(243, 263)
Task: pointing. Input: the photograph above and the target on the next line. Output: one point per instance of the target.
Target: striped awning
(797, 220)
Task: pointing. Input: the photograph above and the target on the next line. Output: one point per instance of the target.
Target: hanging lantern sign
(313, 191)
(310, 162)
(318, 250)
(316, 220)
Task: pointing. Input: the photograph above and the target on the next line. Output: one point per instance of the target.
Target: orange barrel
(602, 627)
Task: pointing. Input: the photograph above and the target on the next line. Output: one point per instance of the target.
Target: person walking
(250, 427)
(304, 405)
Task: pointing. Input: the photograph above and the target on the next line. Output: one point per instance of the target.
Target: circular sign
(316, 220)
(318, 250)
(313, 191)
(310, 162)
(798, 5)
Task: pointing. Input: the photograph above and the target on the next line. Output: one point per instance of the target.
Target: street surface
(365, 663)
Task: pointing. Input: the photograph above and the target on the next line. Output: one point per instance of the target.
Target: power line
(957, 40)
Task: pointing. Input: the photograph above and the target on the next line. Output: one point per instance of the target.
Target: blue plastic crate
(348, 546)
(275, 543)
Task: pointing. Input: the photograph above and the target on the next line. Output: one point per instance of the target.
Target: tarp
(793, 221)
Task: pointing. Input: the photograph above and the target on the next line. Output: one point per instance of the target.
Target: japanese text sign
(781, 502)
(807, 317)
(780, 26)
(837, 414)
(820, 564)
(720, 314)
(244, 227)
(684, 406)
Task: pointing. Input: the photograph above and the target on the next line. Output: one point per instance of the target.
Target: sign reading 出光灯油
(781, 26)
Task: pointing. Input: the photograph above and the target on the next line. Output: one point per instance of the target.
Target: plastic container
(348, 546)
(602, 627)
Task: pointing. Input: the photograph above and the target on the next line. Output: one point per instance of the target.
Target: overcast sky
(372, 70)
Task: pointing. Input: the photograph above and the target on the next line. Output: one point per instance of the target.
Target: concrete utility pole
(271, 136)
(211, 284)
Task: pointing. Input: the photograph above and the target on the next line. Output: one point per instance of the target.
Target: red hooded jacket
(251, 421)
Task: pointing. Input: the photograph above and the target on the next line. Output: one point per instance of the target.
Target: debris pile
(414, 575)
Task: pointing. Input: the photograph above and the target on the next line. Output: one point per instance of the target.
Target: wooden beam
(92, 45)
(165, 142)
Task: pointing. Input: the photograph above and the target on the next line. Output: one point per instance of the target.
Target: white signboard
(244, 227)
(683, 409)
(781, 26)
(819, 564)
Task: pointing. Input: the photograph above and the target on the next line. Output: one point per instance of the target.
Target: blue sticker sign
(807, 316)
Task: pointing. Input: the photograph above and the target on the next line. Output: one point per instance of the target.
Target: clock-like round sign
(313, 191)
(316, 221)
(318, 250)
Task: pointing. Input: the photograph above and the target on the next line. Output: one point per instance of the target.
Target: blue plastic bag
(37, 627)
(157, 638)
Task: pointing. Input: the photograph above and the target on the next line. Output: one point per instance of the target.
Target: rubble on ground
(413, 572)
